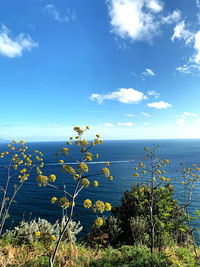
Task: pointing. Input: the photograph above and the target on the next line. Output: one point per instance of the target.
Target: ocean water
(33, 201)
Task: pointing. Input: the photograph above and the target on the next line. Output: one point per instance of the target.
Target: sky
(130, 69)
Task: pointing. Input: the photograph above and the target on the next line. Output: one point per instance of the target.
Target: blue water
(33, 201)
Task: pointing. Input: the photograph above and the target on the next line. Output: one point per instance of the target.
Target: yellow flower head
(37, 234)
(95, 184)
(108, 207)
(110, 178)
(85, 182)
(52, 178)
(61, 161)
(99, 221)
(63, 202)
(65, 151)
(87, 203)
(53, 237)
(99, 206)
(53, 200)
(106, 172)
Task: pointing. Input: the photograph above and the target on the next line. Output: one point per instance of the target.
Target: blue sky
(130, 69)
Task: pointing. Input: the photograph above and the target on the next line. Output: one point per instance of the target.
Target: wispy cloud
(60, 16)
(192, 39)
(181, 118)
(129, 115)
(153, 93)
(145, 114)
(108, 125)
(146, 123)
(139, 19)
(14, 47)
(123, 95)
(148, 72)
(159, 105)
(125, 124)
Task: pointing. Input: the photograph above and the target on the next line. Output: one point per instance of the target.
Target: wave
(94, 162)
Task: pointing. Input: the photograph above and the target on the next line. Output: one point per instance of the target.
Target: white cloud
(197, 48)
(126, 124)
(197, 121)
(181, 33)
(184, 69)
(14, 47)
(180, 121)
(60, 16)
(108, 124)
(145, 114)
(173, 17)
(146, 123)
(181, 118)
(127, 96)
(130, 115)
(198, 3)
(190, 114)
(153, 93)
(148, 72)
(159, 105)
(138, 19)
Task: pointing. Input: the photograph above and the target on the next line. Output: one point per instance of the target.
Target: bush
(130, 222)
(42, 230)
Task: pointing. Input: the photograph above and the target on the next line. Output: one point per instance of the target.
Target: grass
(37, 255)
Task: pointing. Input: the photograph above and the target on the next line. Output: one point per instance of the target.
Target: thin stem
(60, 189)
(6, 188)
(65, 227)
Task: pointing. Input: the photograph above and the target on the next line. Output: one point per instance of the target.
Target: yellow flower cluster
(37, 234)
(108, 207)
(82, 167)
(98, 222)
(98, 206)
(95, 184)
(53, 200)
(69, 169)
(52, 178)
(78, 130)
(88, 156)
(106, 172)
(65, 151)
(42, 179)
(76, 176)
(69, 143)
(110, 178)
(85, 182)
(63, 202)
(87, 203)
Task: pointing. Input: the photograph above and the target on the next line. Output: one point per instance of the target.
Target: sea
(32, 201)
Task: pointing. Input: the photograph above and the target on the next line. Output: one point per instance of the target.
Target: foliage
(43, 231)
(75, 255)
(130, 223)
(18, 164)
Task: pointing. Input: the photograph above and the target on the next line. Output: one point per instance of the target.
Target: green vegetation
(149, 228)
